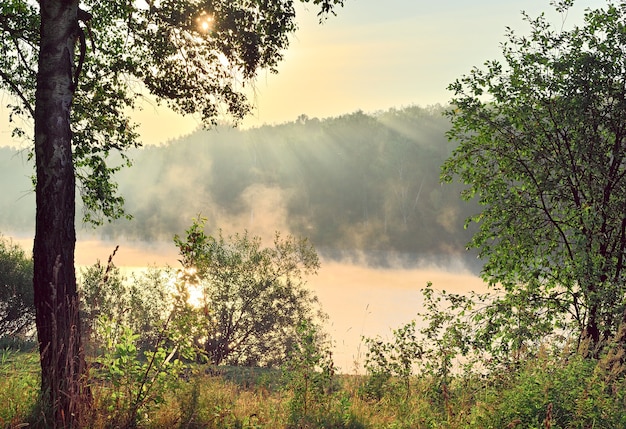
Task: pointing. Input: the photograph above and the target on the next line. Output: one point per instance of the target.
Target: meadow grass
(19, 386)
(548, 391)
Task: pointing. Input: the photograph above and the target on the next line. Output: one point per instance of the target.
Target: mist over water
(360, 300)
(365, 301)
(364, 189)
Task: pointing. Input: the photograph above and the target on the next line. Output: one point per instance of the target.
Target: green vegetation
(251, 299)
(542, 147)
(548, 388)
(545, 348)
(433, 373)
(17, 309)
(192, 55)
(111, 303)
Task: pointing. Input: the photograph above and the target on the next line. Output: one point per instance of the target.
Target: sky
(372, 56)
(375, 55)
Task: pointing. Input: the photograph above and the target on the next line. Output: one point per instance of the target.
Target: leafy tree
(542, 147)
(76, 71)
(17, 311)
(252, 299)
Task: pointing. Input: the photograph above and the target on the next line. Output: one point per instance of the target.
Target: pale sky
(375, 55)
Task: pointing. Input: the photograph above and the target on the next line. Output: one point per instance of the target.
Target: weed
(134, 385)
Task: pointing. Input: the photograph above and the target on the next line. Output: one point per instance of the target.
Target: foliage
(451, 330)
(103, 294)
(79, 104)
(474, 333)
(150, 302)
(559, 389)
(131, 49)
(252, 299)
(136, 383)
(542, 147)
(386, 361)
(309, 373)
(17, 309)
(549, 386)
(562, 390)
(134, 344)
(141, 303)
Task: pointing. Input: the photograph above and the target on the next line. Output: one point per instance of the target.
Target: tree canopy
(542, 147)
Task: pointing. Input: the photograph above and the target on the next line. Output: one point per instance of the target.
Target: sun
(205, 22)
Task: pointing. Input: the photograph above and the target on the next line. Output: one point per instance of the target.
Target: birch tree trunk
(56, 300)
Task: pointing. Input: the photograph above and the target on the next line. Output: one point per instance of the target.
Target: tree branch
(18, 92)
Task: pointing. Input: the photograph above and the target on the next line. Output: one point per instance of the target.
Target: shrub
(17, 308)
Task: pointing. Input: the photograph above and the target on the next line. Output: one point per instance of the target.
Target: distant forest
(358, 184)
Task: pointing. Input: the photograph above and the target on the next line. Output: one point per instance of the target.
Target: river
(359, 300)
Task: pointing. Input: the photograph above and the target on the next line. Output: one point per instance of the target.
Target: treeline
(365, 184)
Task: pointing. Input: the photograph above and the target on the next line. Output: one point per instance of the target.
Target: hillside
(359, 185)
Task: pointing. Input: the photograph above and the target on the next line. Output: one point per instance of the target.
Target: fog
(359, 300)
(364, 188)
(363, 301)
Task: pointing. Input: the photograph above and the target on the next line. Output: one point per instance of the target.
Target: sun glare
(205, 22)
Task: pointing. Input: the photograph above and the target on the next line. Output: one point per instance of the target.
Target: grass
(547, 391)
(19, 386)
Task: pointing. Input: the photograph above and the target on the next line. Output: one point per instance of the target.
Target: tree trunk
(56, 301)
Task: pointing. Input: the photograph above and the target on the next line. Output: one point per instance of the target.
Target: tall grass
(555, 390)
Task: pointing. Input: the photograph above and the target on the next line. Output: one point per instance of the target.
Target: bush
(317, 400)
(17, 308)
(393, 360)
(130, 381)
(141, 303)
(569, 390)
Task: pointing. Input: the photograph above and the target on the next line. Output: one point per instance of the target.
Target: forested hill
(364, 184)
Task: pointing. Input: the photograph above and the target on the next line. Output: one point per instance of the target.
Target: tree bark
(56, 300)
